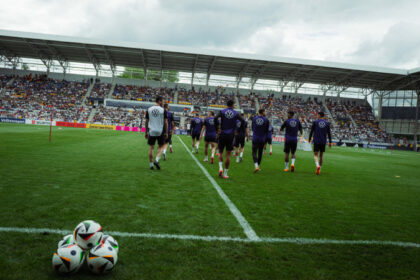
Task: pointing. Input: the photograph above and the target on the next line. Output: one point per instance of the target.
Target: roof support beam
(193, 69)
(110, 61)
(297, 85)
(213, 62)
(257, 74)
(93, 59)
(282, 85)
(243, 71)
(55, 53)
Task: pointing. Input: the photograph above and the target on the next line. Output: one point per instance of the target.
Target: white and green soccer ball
(111, 241)
(67, 240)
(88, 234)
(68, 259)
(102, 258)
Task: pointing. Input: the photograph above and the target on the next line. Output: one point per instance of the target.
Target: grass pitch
(103, 175)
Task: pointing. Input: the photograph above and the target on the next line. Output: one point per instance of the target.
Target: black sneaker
(157, 165)
(151, 168)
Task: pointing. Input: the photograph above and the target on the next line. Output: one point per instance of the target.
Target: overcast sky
(371, 32)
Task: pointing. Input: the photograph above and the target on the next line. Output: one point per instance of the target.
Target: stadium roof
(150, 56)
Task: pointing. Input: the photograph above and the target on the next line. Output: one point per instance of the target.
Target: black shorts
(290, 147)
(239, 141)
(269, 140)
(169, 139)
(319, 148)
(195, 136)
(210, 139)
(152, 140)
(225, 141)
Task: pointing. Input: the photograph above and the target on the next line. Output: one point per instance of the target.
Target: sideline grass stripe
(249, 232)
(291, 240)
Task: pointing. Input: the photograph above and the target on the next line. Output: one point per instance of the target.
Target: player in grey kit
(226, 133)
(260, 126)
(320, 129)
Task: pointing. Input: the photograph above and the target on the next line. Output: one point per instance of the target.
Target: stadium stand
(29, 97)
(117, 116)
(127, 92)
(100, 91)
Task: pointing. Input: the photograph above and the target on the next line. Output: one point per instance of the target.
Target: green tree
(155, 75)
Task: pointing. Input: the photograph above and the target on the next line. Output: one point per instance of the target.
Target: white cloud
(378, 32)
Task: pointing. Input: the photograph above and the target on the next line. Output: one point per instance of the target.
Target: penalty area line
(248, 230)
(286, 240)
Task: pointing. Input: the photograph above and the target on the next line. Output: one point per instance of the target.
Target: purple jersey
(241, 126)
(210, 127)
(196, 125)
(170, 117)
(292, 128)
(320, 129)
(260, 126)
(228, 118)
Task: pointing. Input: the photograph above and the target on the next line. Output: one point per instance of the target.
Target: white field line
(249, 232)
(287, 240)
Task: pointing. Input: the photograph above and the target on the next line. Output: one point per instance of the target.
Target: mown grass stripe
(248, 230)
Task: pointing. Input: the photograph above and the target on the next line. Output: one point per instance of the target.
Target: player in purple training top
(320, 129)
(269, 140)
(226, 133)
(260, 125)
(196, 124)
(293, 126)
(242, 133)
(171, 128)
(209, 129)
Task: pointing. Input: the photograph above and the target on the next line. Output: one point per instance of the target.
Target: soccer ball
(67, 240)
(88, 234)
(102, 258)
(111, 241)
(68, 259)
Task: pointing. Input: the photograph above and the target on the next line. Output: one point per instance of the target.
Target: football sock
(212, 155)
(271, 149)
(151, 164)
(164, 151)
(157, 159)
(206, 157)
(237, 159)
(317, 164)
(256, 164)
(286, 164)
(242, 153)
(293, 161)
(170, 146)
(226, 171)
(220, 165)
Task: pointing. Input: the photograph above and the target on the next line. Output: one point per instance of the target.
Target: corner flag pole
(51, 121)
